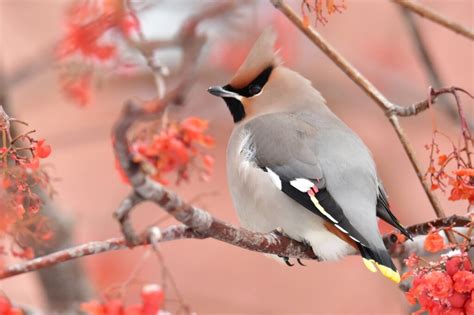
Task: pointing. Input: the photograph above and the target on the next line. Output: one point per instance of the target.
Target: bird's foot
(306, 247)
(279, 231)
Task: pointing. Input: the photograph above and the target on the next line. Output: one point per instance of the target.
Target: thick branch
(434, 16)
(249, 240)
(389, 108)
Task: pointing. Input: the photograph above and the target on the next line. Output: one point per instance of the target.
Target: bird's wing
(384, 213)
(314, 196)
(283, 150)
(293, 167)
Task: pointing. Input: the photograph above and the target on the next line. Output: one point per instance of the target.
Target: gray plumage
(305, 144)
(292, 164)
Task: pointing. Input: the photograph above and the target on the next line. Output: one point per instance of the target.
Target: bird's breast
(262, 207)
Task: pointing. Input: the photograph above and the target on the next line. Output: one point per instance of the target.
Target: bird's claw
(279, 231)
(287, 261)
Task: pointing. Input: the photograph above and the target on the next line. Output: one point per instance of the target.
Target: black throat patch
(236, 107)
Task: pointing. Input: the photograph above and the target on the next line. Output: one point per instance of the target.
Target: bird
(294, 167)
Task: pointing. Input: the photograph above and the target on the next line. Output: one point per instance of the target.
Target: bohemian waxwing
(294, 166)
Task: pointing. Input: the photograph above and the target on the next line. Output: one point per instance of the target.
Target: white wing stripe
(341, 229)
(274, 177)
(353, 238)
(302, 184)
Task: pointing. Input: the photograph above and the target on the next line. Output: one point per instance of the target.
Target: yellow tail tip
(369, 264)
(389, 273)
(386, 271)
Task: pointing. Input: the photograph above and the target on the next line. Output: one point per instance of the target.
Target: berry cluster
(152, 298)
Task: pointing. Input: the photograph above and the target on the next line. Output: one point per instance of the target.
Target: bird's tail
(374, 258)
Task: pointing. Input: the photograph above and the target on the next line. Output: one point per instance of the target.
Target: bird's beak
(221, 92)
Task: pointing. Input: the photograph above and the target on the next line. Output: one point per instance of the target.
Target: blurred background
(213, 277)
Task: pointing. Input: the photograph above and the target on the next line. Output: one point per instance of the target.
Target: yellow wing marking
(321, 209)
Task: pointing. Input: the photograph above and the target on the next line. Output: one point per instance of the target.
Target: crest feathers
(261, 56)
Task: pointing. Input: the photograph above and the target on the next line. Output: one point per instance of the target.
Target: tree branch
(91, 248)
(390, 240)
(391, 110)
(435, 17)
(428, 63)
(279, 244)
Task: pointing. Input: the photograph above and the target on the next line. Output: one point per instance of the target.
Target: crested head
(262, 85)
(261, 56)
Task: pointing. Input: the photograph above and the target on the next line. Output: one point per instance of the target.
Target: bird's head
(262, 85)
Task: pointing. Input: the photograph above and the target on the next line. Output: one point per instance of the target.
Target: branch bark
(271, 243)
(436, 17)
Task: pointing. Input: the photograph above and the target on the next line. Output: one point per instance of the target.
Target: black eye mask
(253, 87)
(236, 108)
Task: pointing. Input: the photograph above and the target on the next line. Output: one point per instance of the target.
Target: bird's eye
(254, 89)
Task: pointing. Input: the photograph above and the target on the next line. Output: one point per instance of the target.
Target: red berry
(135, 309)
(458, 299)
(469, 307)
(42, 150)
(467, 264)
(454, 311)
(4, 305)
(152, 297)
(114, 307)
(439, 284)
(453, 264)
(463, 281)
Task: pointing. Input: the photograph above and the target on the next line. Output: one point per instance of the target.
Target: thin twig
(91, 248)
(426, 60)
(187, 40)
(435, 17)
(426, 227)
(166, 275)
